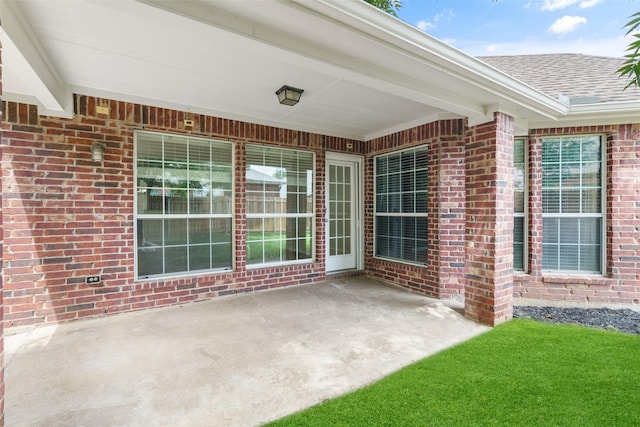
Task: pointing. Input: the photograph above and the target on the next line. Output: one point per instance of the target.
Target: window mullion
(584, 246)
(397, 221)
(179, 160)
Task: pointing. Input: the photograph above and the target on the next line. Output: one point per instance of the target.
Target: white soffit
(364, 74)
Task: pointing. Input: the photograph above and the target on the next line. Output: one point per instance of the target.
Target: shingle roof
(583, 79)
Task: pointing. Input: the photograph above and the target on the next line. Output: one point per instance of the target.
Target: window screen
(401, 206)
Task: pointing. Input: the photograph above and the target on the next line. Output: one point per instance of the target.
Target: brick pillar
(451, 211)
(1, 262)
(534, 260)
(489, 217)
(623, 222)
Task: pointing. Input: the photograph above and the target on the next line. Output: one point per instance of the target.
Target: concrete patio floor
(234, 361)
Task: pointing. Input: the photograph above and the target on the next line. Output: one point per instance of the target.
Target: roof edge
(600, 114)
(408, 38)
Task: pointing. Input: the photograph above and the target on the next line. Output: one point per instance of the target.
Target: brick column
(489, 217)
(450, 244)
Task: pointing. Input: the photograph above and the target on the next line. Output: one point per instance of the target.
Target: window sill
(182, 275)
(399, 261)
(272, 265)
(568, 279)
(577, 279)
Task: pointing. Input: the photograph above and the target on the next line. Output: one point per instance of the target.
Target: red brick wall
(442, 276)
(489, 221)
(67, 218)
(621, 283)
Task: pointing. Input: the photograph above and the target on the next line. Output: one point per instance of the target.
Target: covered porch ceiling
(364, 73)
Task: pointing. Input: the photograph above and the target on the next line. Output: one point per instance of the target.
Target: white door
(343, 207)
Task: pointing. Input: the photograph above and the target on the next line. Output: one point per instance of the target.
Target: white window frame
(164, 216)
(377, 214)
(603, 207)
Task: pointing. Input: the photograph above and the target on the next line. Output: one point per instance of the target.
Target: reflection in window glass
(183, 204)
(280, 205)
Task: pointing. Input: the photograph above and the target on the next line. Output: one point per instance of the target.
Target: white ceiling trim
(30, 62)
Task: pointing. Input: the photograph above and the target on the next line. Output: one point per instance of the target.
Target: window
(280, 205)
(401, 206)
(183, 205)
(572, 204)
(519, 205)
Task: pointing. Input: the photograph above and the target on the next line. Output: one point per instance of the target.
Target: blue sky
(518, 27)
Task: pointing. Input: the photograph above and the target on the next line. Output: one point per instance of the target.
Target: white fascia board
(440, 55)
(610, 113)
(22, 49)
(609, 109)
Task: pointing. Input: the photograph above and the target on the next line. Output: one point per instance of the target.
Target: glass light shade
(288, 95)
(97, 152)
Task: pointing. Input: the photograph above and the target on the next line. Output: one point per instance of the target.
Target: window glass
(401, 206)
(183, 204)
(519, 204)
(572, 204)
(280, 205)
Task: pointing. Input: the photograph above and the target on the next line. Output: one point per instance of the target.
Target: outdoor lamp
(288, 95)
(97, 152)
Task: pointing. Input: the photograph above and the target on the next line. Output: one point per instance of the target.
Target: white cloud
(588, 3)
(446, 14)
(424, 25)
(566, 24)
(552, 5)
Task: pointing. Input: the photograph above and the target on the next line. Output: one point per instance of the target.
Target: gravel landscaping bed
(623, 320)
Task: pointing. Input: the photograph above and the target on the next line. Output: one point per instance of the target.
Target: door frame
(358, 239)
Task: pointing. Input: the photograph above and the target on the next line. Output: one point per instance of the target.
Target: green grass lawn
(269, 246)
(522, 373)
